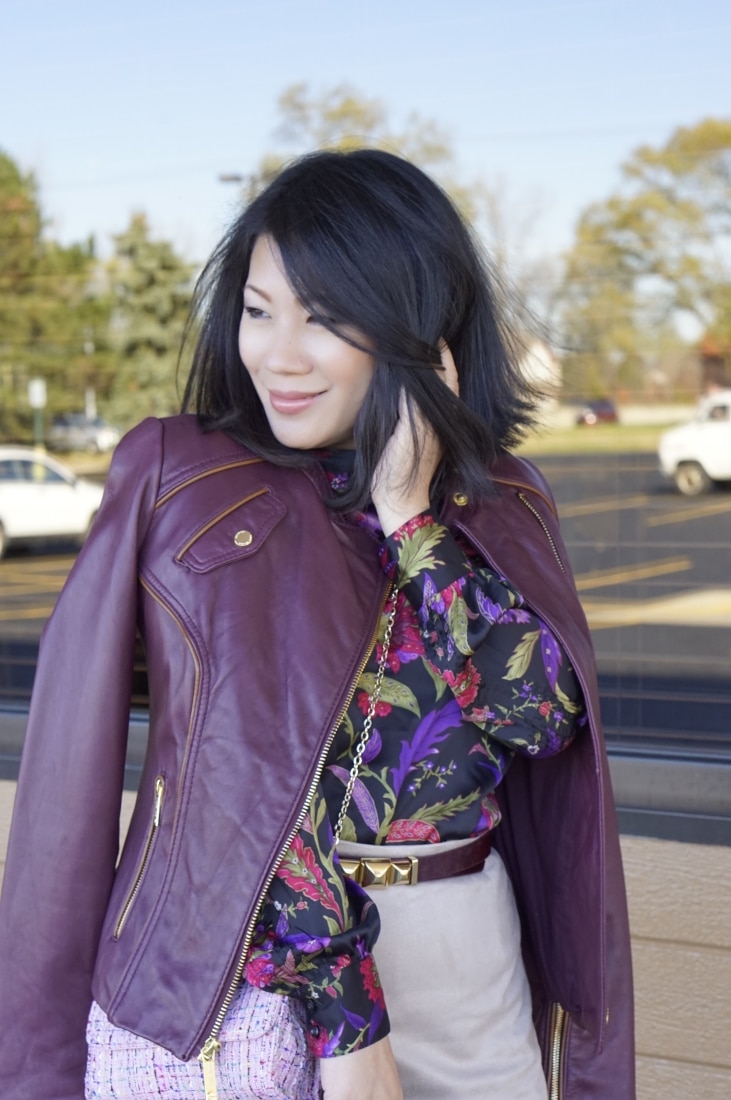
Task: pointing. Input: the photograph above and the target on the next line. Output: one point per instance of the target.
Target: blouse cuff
(423, 545)
(347, 1011)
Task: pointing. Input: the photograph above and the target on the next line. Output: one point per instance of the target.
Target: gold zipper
(151, 834)
(212, 1045)
(160, 780)
(558, 1022)
(206, 473)
(524, 500)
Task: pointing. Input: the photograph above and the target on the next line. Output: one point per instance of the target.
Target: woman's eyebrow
(261, 293)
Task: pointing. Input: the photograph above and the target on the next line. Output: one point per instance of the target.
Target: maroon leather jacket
(193, 536)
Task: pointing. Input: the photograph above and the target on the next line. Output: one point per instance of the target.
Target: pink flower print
(259, 971)
(340, 964)
(464, 684)
(405, 831)
(382, 708)
(406, 643)
(302, 873)
(371, 981)
(322, 1044)
(412, 526)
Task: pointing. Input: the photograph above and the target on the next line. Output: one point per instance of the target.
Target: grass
(609, 439)
(599, 439)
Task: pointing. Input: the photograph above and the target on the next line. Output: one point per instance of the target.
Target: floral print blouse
(472, 678)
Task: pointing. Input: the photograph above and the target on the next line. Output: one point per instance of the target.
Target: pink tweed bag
(263, 1056)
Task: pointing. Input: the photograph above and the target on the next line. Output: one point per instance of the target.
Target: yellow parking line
(26, 613)
(26, 576)
(611, 504)
(602, 578)
(706, 607)
(9, 591)
(712, 508)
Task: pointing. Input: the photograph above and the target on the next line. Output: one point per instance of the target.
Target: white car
(697, 454)
(42, 499)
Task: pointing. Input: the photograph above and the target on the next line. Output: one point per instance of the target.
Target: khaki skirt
(456, 991)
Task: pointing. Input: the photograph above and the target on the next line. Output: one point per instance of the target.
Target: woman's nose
(286, 354)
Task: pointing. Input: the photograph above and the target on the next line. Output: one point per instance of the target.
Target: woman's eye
(254, 312)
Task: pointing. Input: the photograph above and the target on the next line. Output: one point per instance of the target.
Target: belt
(373, 871)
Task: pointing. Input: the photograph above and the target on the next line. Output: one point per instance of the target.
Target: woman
(359, 627)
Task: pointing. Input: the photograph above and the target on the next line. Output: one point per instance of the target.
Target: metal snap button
(460, 499)
(243, 538)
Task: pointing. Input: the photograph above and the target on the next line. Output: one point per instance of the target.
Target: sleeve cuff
(350, 1012)
(425, 553)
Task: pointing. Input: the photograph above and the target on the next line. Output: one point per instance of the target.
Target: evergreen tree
(151, 290)
(53, 311)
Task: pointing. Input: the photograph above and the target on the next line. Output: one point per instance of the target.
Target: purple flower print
(361, 797)
(432, 729)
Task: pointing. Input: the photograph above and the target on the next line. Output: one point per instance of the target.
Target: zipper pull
(159, 792)
(207, 1059)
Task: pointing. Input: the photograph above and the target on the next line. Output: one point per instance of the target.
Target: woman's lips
(291, 402)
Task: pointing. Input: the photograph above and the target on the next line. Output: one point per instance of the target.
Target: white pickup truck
(698, 454)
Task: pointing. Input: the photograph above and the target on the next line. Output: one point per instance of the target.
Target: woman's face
(310, 382)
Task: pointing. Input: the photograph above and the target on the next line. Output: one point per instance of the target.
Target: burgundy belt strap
(465, 860)
(385, 870)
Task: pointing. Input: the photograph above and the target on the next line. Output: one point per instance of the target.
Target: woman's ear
(450, 376)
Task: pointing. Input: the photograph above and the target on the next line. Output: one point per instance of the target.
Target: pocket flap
(234, 533)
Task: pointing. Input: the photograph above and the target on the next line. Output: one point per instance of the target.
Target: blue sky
(140, 106)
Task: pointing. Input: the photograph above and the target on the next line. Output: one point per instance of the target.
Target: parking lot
(652, 568)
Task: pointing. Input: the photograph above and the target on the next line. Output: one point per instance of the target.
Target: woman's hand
(396, 496)
(367, 1074)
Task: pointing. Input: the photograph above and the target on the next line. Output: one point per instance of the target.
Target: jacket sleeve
(314, 941)
(64, 837)
(507, 671)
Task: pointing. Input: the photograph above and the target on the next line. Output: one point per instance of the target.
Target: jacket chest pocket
(235, 532)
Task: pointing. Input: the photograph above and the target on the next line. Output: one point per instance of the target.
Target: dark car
(77, 432)
(601, 411)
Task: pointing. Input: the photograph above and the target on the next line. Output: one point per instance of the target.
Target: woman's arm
(504, 667)
(368, 1074)
(65, 834)
(314, 941)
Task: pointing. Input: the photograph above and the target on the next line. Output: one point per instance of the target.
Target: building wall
(680, 906)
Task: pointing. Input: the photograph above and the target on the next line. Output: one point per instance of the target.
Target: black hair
(370, 242)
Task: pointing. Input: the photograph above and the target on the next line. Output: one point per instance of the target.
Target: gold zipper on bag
(212, 1046)
(558, 1022)
(151, 834)
(524, 500)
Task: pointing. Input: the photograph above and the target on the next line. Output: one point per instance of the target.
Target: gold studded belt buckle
(382, 872)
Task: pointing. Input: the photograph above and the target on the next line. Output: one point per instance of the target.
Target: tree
(343, 118)
(650, 258)
(51, 309)
(151, 292)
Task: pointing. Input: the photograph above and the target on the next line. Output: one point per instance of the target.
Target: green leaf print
(440, 685)
(458, 625)
(416, 553)
(519, 660)
(566, 703)
(334, 929)
(348, 832)
(398, 695)
(440, 811)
